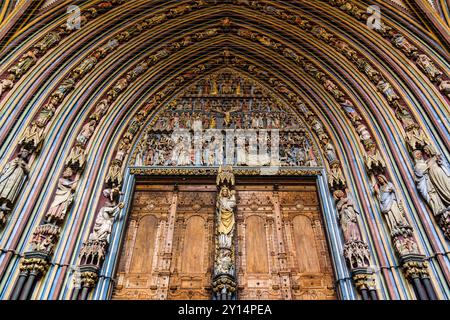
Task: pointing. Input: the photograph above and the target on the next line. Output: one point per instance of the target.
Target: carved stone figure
(5, 85)
(114, 176)
(226, 206)
(400, 42)
(63, 198)
(439, 173)
(86, 132)
(329, 151)
(100, 109)
(104, 222)
(124, 146)
(390, 205)
(13, 175)
(444, 87)
(63, 89)
(424, 185)
(425, 63)
(46, 114)
(348, 216)
(24, 64)
(387, 90)
(50, 39)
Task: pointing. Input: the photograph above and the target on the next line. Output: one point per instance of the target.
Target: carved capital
(36, 262)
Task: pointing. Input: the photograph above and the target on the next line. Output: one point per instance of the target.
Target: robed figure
(13, 175)
(425, 185)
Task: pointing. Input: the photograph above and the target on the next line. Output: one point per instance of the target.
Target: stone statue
(387, 90)
(444, 87)
(86, 132)
(104, 222)
(25, 63)
(390, 206)
(425, 63)
(226, 205)
(329, 151)
(5, 84)
(348, 216)
(13, 175)
(63, 198)
(124, 146)
(100, 109)
(439, 174)
(400, 42)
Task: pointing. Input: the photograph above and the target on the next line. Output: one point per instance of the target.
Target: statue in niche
(390, 206)
(100, 109)
(400, 42)
(86, 132)
(405, 117)
(348, 216)
(387, 90)
(424, 184)
(63, 198)
(124, 146)
(226, 205)
(5, 84)
(46, 113)
(349, 108)
(364, 134)
(425, 63)
(373, 159)
(406, 245)
(439, 173)
(24, 63)
(329, 151)
(12, 176)
(33, 137)
(64, 87)
(444, 86)
(106, 216)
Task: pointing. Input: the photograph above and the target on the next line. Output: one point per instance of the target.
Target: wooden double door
(282, 252)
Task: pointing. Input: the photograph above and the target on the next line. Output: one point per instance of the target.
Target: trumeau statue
(391, 207)
(226, 205)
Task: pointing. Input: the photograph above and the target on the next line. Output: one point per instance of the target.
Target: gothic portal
(225, 150)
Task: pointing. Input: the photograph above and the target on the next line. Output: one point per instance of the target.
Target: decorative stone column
(224, 283)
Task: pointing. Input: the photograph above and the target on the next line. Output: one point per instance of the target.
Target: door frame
(344, 285)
